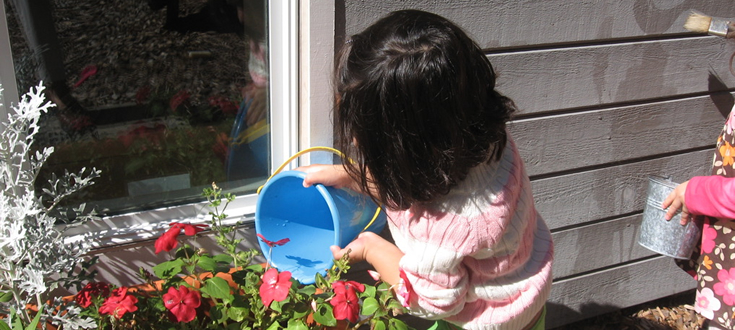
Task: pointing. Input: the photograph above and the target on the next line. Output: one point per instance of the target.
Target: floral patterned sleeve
(712, 196)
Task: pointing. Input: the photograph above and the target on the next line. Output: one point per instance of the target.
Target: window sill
(141, 226)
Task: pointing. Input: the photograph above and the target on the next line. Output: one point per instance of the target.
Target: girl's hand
(328, 175)
(675, 201)
(383, 255)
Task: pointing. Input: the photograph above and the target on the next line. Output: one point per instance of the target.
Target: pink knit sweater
(481, 256)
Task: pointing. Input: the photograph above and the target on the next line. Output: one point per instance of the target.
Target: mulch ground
(670, 313)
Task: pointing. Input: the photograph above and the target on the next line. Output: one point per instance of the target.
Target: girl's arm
(377, 251)
(712, 196)
(702, 195)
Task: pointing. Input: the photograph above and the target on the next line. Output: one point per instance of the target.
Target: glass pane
(164, 96)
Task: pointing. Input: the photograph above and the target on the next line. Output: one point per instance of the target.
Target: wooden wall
(610, 92)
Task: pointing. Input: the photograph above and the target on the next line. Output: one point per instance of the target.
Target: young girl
(424, 134)
(713, 262)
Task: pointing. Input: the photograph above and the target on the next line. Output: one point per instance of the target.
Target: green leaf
(4, 326)
(17, 323)
(324, 315)
(370, 306)
(217, 288)
(377, 324)
(168, 269)
(277, 306)
(34, 323)
(6, 296)
(223, 258)
(185, 252)
(301, 309)
(397, 324)
(218, 313)
(308, 290)
(296, 324)
(212, 265)
(370, 291)
(238, 314)
(274, 326)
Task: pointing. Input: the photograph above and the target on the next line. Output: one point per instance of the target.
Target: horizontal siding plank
(598, 246)
(593, 138)
(578, 198)
(593, 294)
(550, 80)
(502, 23)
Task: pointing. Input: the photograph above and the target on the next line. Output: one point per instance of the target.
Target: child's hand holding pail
(676, 201)
(329, 175)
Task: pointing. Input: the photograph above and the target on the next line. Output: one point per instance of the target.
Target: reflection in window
(163, 96)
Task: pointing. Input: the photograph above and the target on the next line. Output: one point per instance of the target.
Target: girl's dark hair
(416, 108)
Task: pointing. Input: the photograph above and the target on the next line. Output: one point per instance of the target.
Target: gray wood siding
(609, 93)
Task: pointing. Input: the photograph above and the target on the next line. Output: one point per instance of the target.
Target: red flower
(182, 304)
(91, 290)
(345, 302)
(227, 107)
(178, 100)
(272, 243)
(275, 286)
(142, 95)
(119, 303)
(189, 230)
(168, 242)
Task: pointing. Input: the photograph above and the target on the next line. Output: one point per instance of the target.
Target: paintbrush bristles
(698, 23)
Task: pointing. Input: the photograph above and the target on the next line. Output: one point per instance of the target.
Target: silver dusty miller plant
(35, 258)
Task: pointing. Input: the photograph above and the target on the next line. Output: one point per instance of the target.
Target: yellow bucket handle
(307, 150)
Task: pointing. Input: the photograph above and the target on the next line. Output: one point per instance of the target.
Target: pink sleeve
(712, 196)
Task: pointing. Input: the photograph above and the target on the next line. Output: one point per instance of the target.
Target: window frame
(144, 225)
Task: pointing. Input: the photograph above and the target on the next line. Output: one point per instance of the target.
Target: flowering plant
(198, 290)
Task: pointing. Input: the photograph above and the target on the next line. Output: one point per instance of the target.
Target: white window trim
(139, 226)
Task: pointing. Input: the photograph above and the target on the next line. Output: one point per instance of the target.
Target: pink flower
(404, 290)
(182, 304)
(375, 275)
(345, 302)
(708, 237)
(275, 286)
(119, 303)
(706, 303)
(726, 286)
(91, 290)
(272, 243)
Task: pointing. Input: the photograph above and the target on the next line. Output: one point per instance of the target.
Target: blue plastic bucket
(312, 219)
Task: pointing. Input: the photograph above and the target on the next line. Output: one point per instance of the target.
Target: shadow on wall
(720, 96)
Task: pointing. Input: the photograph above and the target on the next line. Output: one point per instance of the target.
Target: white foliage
(34, 258)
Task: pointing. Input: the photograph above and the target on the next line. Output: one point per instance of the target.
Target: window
(163, 96)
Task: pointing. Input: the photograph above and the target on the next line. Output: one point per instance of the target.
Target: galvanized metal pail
(659, 235)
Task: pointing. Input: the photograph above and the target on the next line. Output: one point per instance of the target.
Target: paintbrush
(697, 22)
